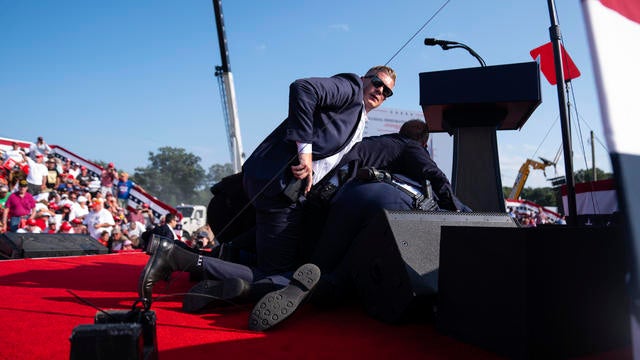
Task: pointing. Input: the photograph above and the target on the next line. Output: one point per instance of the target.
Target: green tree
(506, 190)
(217, 172)
(545, 196)
(587, 175)
(174, 175)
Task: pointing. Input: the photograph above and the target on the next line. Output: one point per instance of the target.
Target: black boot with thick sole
(167, 257)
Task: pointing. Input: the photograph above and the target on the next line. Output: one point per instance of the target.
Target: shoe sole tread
(278, 305)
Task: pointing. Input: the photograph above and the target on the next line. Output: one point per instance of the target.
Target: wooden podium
(472, 104)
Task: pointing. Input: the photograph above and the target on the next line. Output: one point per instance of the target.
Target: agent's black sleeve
(416, 163)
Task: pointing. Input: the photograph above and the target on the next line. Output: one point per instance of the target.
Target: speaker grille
(26, 245)
(417, 237)
(396, 258)
(449, 217)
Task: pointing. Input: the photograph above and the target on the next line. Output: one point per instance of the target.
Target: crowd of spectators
(39, 193)
(531, 218)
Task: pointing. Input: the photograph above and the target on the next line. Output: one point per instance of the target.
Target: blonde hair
(382, 68)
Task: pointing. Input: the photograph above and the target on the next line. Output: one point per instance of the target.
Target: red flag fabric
(626, 8)
(613, 27)
(547, 63)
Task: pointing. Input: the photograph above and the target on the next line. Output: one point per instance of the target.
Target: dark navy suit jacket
(323, 112)
(163, 230)
(400, 155)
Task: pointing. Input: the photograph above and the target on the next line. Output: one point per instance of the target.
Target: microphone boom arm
(463, 46)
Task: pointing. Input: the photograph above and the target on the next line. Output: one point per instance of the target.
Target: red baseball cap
(65, 226)
(111, 165)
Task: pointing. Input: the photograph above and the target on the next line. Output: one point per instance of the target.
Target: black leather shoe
(167, 257)
(278, 305)
(211, 293)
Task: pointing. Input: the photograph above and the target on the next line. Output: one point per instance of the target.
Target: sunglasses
(375, 80)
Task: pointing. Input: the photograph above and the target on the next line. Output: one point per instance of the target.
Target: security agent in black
(398, 153)
(355, 205)
(403, 185)
(422, 196)
(239, 281)
(325, 118)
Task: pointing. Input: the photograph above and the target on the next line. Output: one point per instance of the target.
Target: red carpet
(38, 315)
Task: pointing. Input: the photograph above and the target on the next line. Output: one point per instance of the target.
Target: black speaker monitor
(541, 293)
(28, 245)
(396, 258)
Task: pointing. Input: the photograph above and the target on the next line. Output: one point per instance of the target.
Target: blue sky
(116, 80)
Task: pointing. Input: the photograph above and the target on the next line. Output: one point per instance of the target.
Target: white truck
(193, 217)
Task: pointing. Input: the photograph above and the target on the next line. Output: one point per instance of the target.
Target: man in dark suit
(165, 230)
(352, 208)
(404, 153)
(326, 118)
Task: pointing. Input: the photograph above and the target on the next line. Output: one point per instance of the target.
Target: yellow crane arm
(523, 174)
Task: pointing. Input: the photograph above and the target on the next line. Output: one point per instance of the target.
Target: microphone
(446, 45)
(433, 42)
